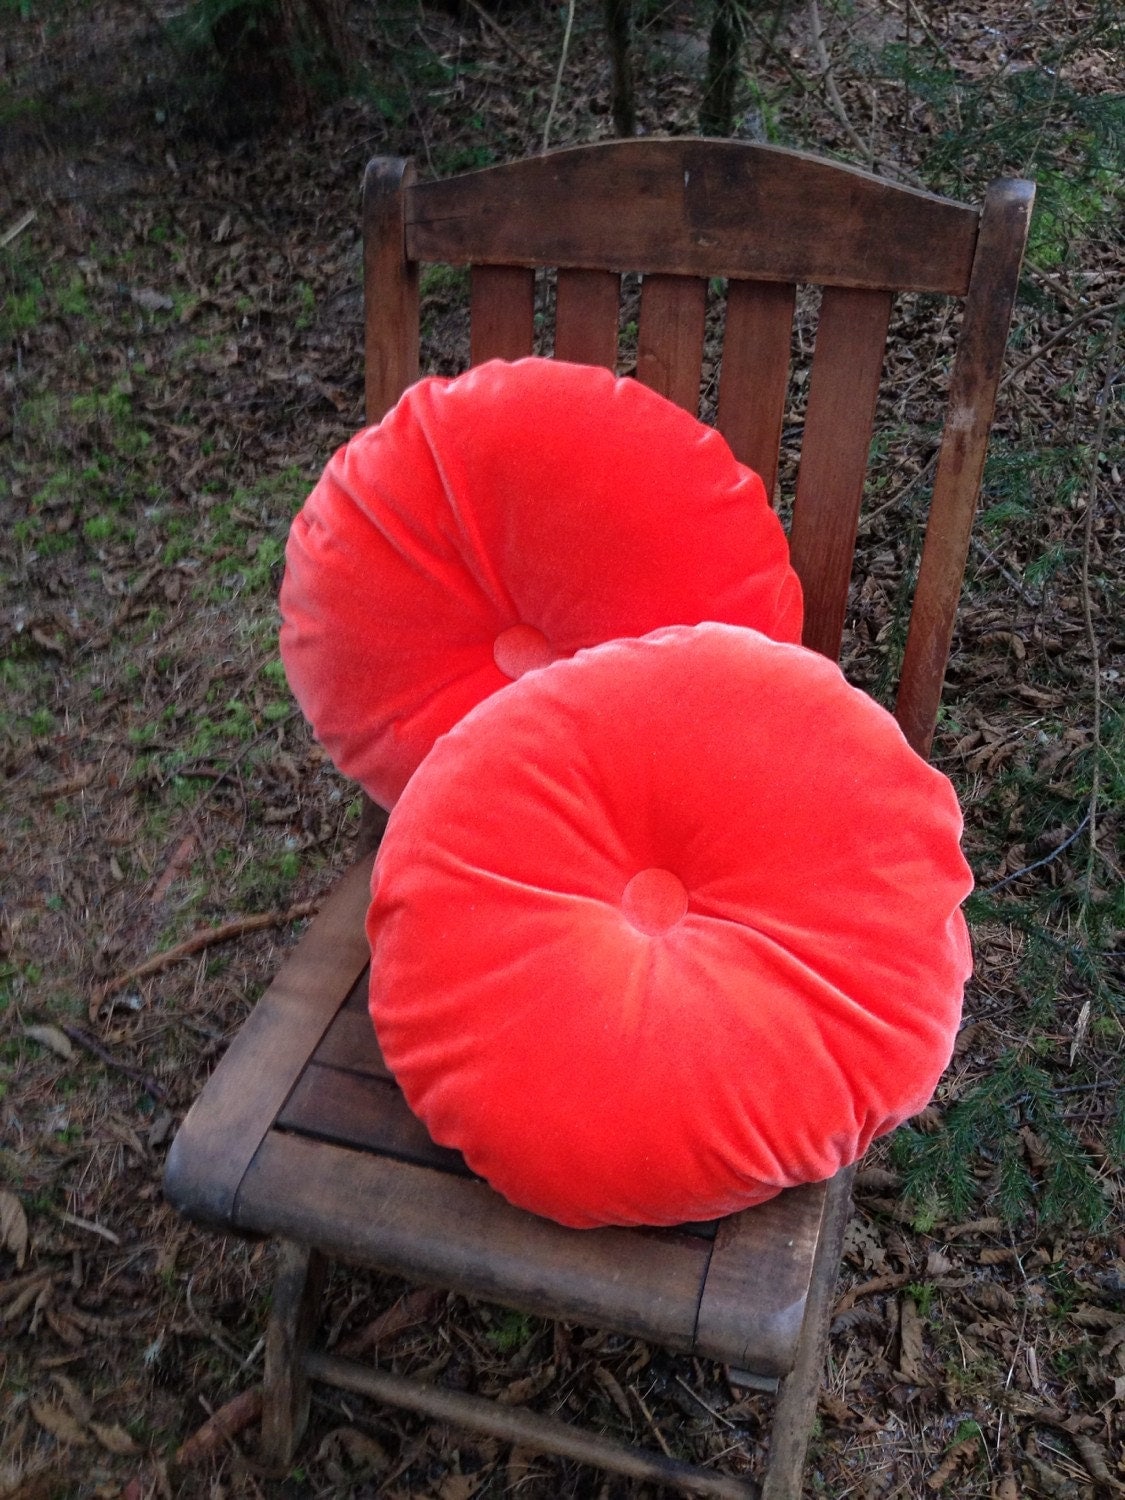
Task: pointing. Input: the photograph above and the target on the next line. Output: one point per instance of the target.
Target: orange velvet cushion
(500, 520)
(667, 927)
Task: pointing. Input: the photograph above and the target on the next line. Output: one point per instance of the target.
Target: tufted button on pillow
(493, 523)
(669, 926)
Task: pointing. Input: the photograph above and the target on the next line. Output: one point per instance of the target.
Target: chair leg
(297, 1290)
(796, 1407)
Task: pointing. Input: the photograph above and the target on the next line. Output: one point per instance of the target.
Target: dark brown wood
(796, 1409)
(774, 1243)
(224, 1128)
(365, 1113)
(456, 1232)
(754, 375)
(586, 315)
(297, 1290)
(670, 337)
(390, 283)
(513, 1424)
(848, 360)
(350, 1042)
(502, 301)
(691, 207)
(972, 400)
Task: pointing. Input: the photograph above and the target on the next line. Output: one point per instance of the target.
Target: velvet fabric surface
(667, 927)
(495, 522)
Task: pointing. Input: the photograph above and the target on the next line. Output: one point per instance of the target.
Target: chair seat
(303, 1133)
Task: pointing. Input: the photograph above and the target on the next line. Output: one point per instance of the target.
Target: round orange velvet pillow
(668, 927)
(495, 522)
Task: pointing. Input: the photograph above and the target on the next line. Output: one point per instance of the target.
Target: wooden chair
(301, 1134)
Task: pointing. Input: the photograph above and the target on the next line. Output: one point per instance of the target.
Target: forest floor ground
(181, 326)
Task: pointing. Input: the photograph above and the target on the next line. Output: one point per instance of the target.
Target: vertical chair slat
(390, 282)
(586, 313)
(755, 372)
(972, 400)
(670, 337)
(502, 299)
(843, 388)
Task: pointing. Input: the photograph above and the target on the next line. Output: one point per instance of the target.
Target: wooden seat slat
(350, 1042)
(776, 1241)
(754, 375)
(670, 337)
(586, 315)
(502, 312)
(851, 337)
(399, 1216)
(365, 1113)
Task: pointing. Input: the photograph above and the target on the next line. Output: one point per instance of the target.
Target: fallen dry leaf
(527, 1388)
(612, 1387)
(60, 1424)
(956, 1456)
(52, 1038)
(409, 1310)
(360, 1448)
(862, 1246)
(229, 1420)
(459, 1486)
(1094, 1456)
(79, 1403)
(114, 1438)
(912, 1353)
(13, 1227)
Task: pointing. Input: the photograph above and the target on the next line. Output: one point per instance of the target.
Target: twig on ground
(1087, 603)
(1039, 863)
(1057, 337)
(15, 230)
(1009, 577)
(207, 937)
(829, 78)
(505, 36)
(91, 1044)
(559, 75)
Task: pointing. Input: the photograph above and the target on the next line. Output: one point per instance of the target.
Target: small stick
(16, 229)
(829, 78)
(1009, 577)
(1057, 338)
(220, 1428)
(1039, 863)
(207, 937)
(559, 75)
(505, 36)
(84, 1039)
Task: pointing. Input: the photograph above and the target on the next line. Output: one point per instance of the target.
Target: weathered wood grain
(670, 337)
(843, 387)
(754, 376)
(502, 313)
(586, 316)
(696, 208)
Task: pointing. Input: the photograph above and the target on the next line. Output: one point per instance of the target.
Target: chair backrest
(682, 212)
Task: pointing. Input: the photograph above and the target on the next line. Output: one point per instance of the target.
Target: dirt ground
(182, 326)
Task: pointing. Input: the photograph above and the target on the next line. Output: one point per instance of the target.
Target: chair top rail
(694, 207)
